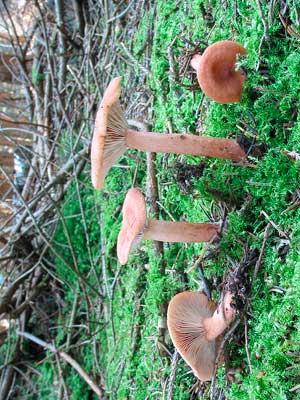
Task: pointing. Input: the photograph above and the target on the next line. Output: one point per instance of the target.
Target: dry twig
(65, 357)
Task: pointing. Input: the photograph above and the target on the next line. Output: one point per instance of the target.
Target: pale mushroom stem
(195, 61)
(220, 319)
(227, 149)
(179, 232)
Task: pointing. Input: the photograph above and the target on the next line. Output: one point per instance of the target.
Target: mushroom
(136, 227)
(195, 325)
(216, 71)
(4, 325)
(112, 137)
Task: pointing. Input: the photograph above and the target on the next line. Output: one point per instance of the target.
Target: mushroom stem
(195, 61)
(220, 319)
(180, 232)
(227, 149)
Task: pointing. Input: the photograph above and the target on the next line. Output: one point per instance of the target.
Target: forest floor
(113, 322)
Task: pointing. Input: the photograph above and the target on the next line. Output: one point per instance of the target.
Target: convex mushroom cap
(216, 71)
(134, 220)
(112, 137)
(136, 227)
(195, 325)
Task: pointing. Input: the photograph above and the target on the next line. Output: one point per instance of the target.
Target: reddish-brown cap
(216, 72)
(186, 313)
(108, 143)
(134, 220)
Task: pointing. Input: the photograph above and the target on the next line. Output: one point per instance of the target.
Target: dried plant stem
(172, 376)
(264, 21)
(152, 196)
(279, 230)
(7, 382)
(66, 358)
(225, 338)
(262, 250)
(246, 345)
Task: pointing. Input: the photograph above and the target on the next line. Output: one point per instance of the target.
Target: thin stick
(62, 379)
(280, 231)
(291, 207)
(201, 257)
(172, 376)
(259, 260)
(152, 196)
(65, 357)
(228, 334)
(263, 20)
(134, 60)
(294, 388)
(206, 285)
(246, 346)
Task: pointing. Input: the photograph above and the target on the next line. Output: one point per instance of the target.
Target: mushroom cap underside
(108, 142)
(134, 220)
(186, 313)
(216, 72)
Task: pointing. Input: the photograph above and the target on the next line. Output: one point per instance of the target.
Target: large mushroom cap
(186, 313)
(108, 143)
(216, 72)
(134, 219)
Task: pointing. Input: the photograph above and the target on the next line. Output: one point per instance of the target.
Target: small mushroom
(112, 137)
(4, 325)
(136, 227)
(216, 71)
(195, 325)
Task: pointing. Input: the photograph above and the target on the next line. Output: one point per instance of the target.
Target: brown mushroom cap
(186, 313)
(108, 143)
(134, 219)
(216, 72)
